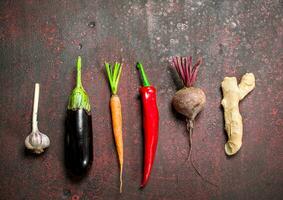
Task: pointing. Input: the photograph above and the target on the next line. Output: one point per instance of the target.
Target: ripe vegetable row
(189, 101)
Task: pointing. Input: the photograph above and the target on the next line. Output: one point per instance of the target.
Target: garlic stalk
(36, 141)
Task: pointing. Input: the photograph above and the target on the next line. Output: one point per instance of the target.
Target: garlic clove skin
(37, 142)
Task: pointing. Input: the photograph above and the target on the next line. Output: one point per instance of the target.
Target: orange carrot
(116, 112)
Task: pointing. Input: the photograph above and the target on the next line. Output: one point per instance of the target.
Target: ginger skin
(232, 94)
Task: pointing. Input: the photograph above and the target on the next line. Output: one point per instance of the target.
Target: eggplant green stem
(113, 74)
(79, 72)
(145, 81)
(79, 98)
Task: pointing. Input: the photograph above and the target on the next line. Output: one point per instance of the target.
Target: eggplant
(78, 135)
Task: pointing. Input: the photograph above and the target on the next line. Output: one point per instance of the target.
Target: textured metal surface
(39, 42)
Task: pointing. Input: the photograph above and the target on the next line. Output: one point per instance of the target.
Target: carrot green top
(113, 74)
(79, 98)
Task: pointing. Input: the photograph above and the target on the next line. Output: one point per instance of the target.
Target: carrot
(116, 112)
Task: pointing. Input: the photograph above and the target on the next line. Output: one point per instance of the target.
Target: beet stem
(186, 70)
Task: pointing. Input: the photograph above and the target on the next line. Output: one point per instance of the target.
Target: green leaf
(113, 74)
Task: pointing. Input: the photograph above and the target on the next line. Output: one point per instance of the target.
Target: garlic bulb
(36, 141)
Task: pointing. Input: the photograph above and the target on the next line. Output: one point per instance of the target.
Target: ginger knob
(232, 94)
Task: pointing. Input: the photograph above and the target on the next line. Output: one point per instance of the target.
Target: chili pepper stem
(35, 108)
(145, 81)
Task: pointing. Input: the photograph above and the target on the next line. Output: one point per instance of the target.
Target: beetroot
(188, 101)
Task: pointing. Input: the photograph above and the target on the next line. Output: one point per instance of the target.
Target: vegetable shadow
(27, 153)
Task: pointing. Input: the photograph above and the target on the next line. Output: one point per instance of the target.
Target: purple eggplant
(78, 136)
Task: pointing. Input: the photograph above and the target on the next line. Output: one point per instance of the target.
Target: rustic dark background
(40, 41)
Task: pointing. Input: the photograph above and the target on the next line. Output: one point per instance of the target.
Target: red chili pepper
(150, 124)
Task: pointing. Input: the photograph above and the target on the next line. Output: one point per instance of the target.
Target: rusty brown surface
(39, 42)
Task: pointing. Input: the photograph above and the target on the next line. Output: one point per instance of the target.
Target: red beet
(188, 101)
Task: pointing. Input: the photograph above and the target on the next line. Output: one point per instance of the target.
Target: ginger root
(232, 94)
